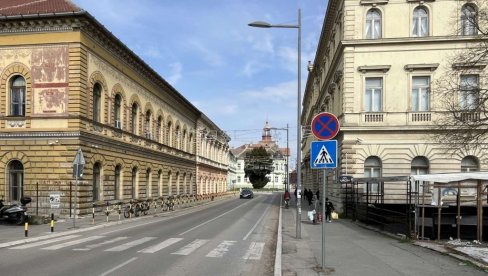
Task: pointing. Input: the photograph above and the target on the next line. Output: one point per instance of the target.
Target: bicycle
(131, 209)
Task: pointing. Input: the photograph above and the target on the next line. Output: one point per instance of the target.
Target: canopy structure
(450, 179)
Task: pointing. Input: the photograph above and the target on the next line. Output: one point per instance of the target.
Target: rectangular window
(469, 92)
(373, 95)
(238, 179)
(420, 93)
(18, 102)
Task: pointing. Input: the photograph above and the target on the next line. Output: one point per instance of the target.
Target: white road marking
(130, 244)
(256, 224)
(194, 245)
(44, 242)
(160, 246)
(221, 249)
(70, 243)
(95, 245)
(255, 251)
(208, 221)
(117, 267)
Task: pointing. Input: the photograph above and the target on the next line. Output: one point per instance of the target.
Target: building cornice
(419, 67)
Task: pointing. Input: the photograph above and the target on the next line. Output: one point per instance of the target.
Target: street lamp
(261, 24)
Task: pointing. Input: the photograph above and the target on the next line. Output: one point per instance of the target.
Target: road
(235, 237)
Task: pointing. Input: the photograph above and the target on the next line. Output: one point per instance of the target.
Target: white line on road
(44, 242)
(255, 251)
(128, 245)
(208, 221)
(160, 246)
(96, 245)
(256, 224)
(194, 245)
(119, 266)
(221, 249)
(70, 243)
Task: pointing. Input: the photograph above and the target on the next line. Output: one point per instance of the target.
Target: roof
(451, 177)
(27, 7)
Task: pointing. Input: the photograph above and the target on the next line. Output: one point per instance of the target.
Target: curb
(279, 246)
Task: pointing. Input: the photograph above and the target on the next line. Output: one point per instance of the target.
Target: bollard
(120, 209)
(107, 212)
(52, 222)
(93, 214)
(26, 229)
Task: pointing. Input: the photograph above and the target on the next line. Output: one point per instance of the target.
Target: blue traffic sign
(325, 126)
(323, 154)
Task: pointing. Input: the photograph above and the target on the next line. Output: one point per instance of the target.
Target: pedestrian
(305, 193)
(309, 196)
(329, 208)
(317, 194)
(295, 193)
(286, 197)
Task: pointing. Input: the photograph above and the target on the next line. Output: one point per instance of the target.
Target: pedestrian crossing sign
(323, 154)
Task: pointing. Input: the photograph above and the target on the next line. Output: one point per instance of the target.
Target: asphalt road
(235, 237)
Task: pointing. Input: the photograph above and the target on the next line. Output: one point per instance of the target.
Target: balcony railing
(373, 117)
(421, 117)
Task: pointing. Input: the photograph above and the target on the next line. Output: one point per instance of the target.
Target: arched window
(134, 183)
(160, 183)
(147, 124)
(469, 21)
(97, 99)
(183, 141)
(420, 165)
(372, 168)
(118, 111)
(177, 138)
(190, 142)
(373, 24)
(420, 22)
(170, 183)
(470, 164)
(148, 183)
(134, 112)
(16, 180)
(159, 129)
(96, 182)
(17, 96)
(169, 134)
(118, 169)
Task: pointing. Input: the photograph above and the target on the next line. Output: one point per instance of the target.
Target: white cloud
(175, 74)
(281, 92)
(253, 67)
(211, 57)
(263, 44)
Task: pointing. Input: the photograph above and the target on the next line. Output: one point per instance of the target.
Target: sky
(239, 76)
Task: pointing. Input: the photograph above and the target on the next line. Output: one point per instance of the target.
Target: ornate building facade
(66, 84)
(374, 68)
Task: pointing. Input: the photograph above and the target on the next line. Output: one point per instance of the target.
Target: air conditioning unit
(118, 124)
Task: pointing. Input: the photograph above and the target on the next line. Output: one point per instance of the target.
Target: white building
(278, 177)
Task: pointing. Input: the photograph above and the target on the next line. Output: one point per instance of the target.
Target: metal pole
(299, 128)
(287, 163)
(324, 189)
(76, 197)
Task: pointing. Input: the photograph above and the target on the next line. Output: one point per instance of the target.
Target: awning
(450, 177)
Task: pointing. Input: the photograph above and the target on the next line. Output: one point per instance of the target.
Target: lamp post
(261, 24)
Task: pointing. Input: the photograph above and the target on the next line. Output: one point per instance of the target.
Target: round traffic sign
(325, 126)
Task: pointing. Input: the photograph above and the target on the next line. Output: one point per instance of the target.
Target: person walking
(317, 194)
(309, 197)
(286, 197)
(329, 208)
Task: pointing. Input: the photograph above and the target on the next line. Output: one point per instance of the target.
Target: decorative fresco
(50, 100)
(49, 75)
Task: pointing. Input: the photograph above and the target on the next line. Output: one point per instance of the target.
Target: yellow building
(66, 84)
(374, 68)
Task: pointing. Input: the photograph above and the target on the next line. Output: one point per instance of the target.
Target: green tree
(257, 165)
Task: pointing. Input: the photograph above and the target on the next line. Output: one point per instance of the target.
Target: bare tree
(462, 92)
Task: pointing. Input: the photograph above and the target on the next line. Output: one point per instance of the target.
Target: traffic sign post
(78, 165)
(323, 154)
(325, 126)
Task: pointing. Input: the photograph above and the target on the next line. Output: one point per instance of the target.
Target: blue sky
(239, 76)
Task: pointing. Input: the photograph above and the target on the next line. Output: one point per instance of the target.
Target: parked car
(246, 193)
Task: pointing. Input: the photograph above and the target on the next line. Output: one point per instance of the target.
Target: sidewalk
(354, 249)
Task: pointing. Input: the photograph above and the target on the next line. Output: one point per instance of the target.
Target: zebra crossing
(152, 245)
